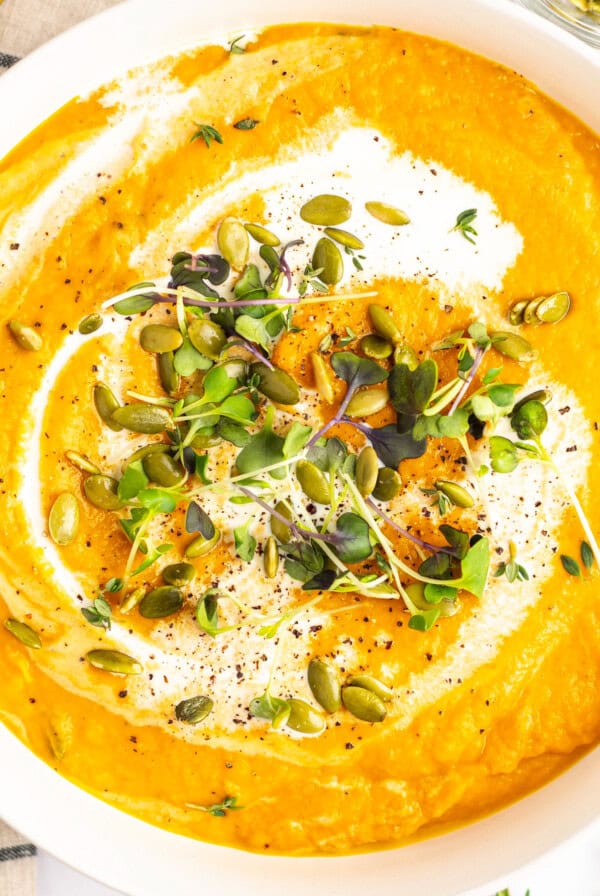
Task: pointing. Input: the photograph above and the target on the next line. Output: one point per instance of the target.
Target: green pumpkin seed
(372, 684)
(23, 633)
(367, 402)
(328, 259)
(178, 574)
(344, 238)
(131, 600)
(201, 546)
(326, 210)
(207, 337)
(405, 354)
(193, 710)
(416, 593)
(367, 471)
(141, 453)
(25, 336)
(539, 395)
(63, 519)
(530, 312)
(271, 557)
(90, 324)
(101, 491)
(114, 661)
(162, 469)
(388, 484)
(375, 347)
(384, 324)
(554, 308)
(455, 493)
(363, 704)
(322, 377)
(202, 441)
(235, 368)
(106, 404)
(515, 314)
(60, 734)
(276, 384)
(143, 418)
(325, 685)
(262, 235)
(281, 532)
(157, 338)
(387, 214)
(313, 482)
(82, 462)
(162, 602)
(234, 243)
(304, 718)
(512, 345)
(169, 378)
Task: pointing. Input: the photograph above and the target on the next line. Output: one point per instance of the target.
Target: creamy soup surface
(323, 686)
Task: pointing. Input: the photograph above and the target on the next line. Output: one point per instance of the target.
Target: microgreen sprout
(464, 224)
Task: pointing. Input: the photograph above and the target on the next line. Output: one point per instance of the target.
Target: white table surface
(571, 870)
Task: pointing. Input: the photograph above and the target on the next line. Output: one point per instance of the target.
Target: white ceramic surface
(126, 853)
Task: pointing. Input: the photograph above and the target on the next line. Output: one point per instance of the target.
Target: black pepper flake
(122, 694)
(349, 746)
(14, 246)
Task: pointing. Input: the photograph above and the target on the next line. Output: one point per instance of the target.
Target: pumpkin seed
(193, 710)
(271, 557)
(207, 337)
(203, 441)
(262, 235)
(143, 418)
(162, 469)
(157, 338)
(131, 600)
(367, 402)
(161, 602)
(372, 684)
(60, 734)
(344, 238)
(328, 259)
(512, 345)
(387, 214)
(375, 346)
(169, 378)
(178, 574)
(114, 661)
(63, 519)
(235, 368)
(234, 243)
(23, 633)
(515, 314)
(25, 336)
(82, 462)
(304, 718)
(367, 470)
(101, 491)
(313, 482)
(416, 593)
(201, 546)
(281, 532)
(384, 324)
(140, 453)
(322, 377)
(405, 354)
(90, 324)
(106, 404)
(324, 684)
(455, 493)
(388, 484)
(276, 384)
(554, 308)
(530, 312)
(363, 704)
(539, 395)
(326, 210)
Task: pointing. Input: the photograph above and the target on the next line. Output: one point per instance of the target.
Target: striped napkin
(17, 864)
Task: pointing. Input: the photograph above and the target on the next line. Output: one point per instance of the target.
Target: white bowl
(120, 850)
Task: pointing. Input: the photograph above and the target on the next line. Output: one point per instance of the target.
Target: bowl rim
(155, 859)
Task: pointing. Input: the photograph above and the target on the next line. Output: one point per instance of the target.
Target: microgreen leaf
(207, 133)
(357, 371)
(411, 390)
(264, 449)
(570, 565)
(503, 394)
(474, 568)
(245, 543)
(152, 557)
(503, 454)
(228, 804)
(423, 621)
(491, 375)
(197, 520)
(295, 439)
(391, 446)
(464, 222)
(452, 426)
(254, 330)
(217, 385)
(587, 555)
(233, 432)
(322, 581)
(352, 543)
(187, 360)
(134, 305)
(529, 420)
(98, 613)
(303, 560)
(207, 613)
(458, 540)
(269, 707)
(158, 500)
(436, 593)
(234, 46)
(250, 286)
(132, 481)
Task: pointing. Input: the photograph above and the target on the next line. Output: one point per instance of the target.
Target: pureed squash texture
(293, 553)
